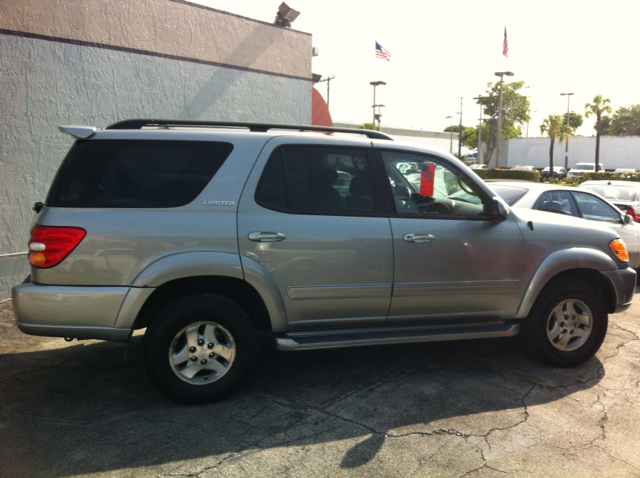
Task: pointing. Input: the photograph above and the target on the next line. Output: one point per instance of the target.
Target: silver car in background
(580, 168)
(572, 201)
(625, 195)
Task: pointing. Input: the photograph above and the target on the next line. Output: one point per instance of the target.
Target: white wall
(615, 152)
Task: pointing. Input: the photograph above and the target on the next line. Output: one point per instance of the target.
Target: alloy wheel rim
(569, 325)
(202, 353)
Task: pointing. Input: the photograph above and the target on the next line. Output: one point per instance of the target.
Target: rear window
(135, 173)
(510, 194)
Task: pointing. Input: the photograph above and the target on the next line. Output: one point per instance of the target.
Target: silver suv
(212, 235)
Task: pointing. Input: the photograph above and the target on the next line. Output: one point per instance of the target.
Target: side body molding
(560, 261)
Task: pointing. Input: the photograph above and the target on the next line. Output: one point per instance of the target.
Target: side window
(560, 202)
(427, 186)
(302, 179)
(595, 208)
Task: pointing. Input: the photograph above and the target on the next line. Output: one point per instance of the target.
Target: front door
(451, 261)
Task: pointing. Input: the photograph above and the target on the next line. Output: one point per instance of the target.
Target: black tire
(210, 328)
(567, 324)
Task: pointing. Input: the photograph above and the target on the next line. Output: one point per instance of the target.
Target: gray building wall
(95, 62)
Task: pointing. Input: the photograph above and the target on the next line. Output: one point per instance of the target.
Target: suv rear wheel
(567, 324)
(200, 348)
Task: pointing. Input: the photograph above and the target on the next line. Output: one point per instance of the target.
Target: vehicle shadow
(81, 410)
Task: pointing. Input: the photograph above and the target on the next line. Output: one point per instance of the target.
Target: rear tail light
(633, 214)
(49, 245)
(618, 247)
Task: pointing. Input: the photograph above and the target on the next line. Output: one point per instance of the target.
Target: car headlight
(618, 247)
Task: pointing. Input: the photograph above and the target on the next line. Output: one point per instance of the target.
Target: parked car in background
(580, 168)
(524, 168)
(625, 195)
(479, 166)
(558, 172)
(572, 201)
(625, 170)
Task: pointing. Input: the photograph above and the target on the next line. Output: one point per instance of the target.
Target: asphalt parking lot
(456, 409)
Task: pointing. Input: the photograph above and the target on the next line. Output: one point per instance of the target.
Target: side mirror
(628, 219)
(499, 210)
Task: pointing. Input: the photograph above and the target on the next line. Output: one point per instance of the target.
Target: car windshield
(611, 192)
(584, 167)
(510, 194)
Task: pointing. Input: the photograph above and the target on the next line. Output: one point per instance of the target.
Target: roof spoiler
(79, 132)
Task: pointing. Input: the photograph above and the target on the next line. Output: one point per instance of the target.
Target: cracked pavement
(452, 409)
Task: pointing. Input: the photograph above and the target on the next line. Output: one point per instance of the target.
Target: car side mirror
(628, 219)
(499, 210)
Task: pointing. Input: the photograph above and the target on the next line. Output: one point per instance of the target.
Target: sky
(442, 51)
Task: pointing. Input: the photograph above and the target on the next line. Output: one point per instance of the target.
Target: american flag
(505, 44)
(382, 53)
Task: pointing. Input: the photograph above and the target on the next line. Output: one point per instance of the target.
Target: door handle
(266, 236)
(418, 238)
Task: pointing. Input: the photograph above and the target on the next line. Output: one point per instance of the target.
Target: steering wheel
(434, 207)
(464, 186)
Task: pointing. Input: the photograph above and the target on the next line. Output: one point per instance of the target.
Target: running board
(331, 339)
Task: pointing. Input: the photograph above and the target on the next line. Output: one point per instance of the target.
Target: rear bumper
(624, 283)
(104, 313)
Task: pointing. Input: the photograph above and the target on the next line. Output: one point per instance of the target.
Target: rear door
(312, 216)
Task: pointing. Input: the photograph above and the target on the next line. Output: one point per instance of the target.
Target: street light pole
(378, 116)
(501, 75)
(460, 132)
(479, 98)
(566, 151)
(328, 80)
(450, 135)
(374, 84)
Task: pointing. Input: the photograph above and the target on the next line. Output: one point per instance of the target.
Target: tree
(369, 126)
(575, 121)
(626, 121)
(599, 107)
(455, 128)
(464, 137)
(556, 127)
(515, 113)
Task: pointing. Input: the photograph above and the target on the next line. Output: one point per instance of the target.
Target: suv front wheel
(199, 349)
(567, 324)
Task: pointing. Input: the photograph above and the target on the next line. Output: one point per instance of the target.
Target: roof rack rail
(257, 127)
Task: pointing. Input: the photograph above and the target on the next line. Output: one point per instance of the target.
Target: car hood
(560, 229)
(550, 219)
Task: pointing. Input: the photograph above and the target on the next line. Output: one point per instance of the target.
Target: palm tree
(626, 121)
(556, 127)
(598, 107)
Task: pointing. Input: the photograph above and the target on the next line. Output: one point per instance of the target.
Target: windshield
(584, 167)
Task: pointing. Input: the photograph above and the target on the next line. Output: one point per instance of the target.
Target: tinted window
(316, 179)
(136, 173)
